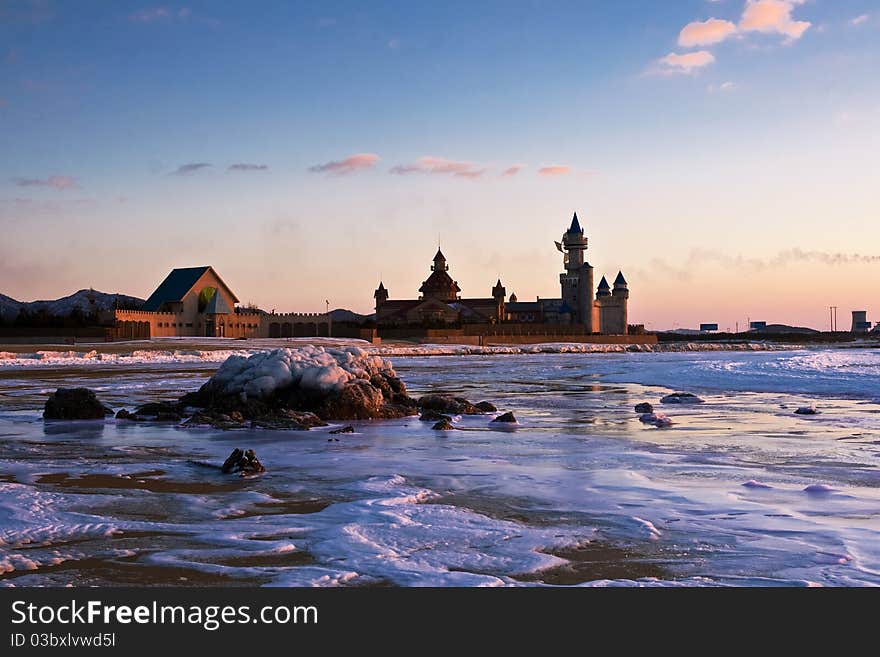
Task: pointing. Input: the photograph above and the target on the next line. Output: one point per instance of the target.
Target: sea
(739, 490)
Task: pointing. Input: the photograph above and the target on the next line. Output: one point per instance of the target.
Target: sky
(722, 154)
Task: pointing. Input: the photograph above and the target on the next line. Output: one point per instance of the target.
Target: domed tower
(577, 279)
(380, 295)
(513, 298)
(439, 284)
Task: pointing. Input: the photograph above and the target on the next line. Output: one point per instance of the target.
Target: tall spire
(620, 281)
(575, 225)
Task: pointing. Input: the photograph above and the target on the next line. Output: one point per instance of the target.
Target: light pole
(329, 319)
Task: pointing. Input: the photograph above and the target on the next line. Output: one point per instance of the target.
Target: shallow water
(739, 490)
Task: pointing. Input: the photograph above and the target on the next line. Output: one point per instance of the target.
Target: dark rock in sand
(485, 407)
(433, 416)
(448, 404)
(681, 398)
(244, 463)
(443, 425)
(347, 429)
(807, 410)
(644, 407)
(75, 404)
(507, 418)
(123, 415)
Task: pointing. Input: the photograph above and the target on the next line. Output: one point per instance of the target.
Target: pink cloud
(555, 170)
(440, 165)
(773, 16)
(686, 63)
(512, 170)
(705, 33)
(858, 20)
(55, 182)
(351, 164)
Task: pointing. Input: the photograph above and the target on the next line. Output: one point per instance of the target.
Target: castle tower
(577, 279)
(498, 293)
(380, 295)
(439, 262)
(604, 290)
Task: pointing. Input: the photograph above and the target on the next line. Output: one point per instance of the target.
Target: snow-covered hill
(86, 301)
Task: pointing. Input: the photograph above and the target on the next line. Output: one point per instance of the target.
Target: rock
(681, 398)
(75, 404)
(506, 417)
(315, 383)
(433, 416)
(485, 407)
(123, 415)
(644, 407)
(443, 425)
(244, 463)
(659, 420)
(160, 411)
(448, 404)
(346, 429)
(808, 410)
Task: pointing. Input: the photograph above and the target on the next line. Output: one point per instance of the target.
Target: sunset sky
(723, 154)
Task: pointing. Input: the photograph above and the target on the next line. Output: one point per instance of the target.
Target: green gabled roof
(174, 287)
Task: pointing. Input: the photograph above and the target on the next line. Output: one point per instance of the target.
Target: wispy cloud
(150, 14)
(192, 167)
(394, 44)
(554, 170)
(512, 170)
(55, 182)
(351, 164)
(773, 17)
(686, 63)
(705, 33)
(3, 102)
(440, 165)
(721, 88)
(858, 20)
(11, 57)
(243, 166)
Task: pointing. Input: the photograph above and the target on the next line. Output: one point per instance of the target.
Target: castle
(440, 304)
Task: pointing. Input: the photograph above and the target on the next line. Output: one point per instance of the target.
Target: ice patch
(753, 483)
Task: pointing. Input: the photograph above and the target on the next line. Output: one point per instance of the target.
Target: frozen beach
(740, 490)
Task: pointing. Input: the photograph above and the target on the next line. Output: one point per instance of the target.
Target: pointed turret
(604, 289)
(380, 295)
(512, 297)
(439, 261)
(620, 287)
(498, 292)
(620, 281)
(575, 225)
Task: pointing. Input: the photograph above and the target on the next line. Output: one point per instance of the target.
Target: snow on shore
(159, 355)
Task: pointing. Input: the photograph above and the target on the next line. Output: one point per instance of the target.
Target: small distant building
(757, 326)
(196, 302)
(708, 328)
(860, 323)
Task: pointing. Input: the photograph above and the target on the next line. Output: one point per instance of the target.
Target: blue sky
(728, 167)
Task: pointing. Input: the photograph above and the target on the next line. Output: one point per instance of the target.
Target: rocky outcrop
(507, 418)
(75, 404)
(644, 407)
(681, 398)
(243, 463)
(448, 404)
(485, 407)
(444, 425)
(808, 410)
(346, 429)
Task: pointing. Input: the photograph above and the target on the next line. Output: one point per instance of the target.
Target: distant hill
(85, 301)
(343, 315)
(782, 328)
